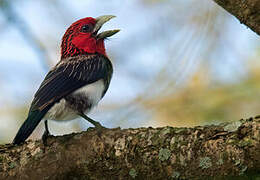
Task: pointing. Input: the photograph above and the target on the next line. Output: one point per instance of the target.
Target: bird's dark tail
(28, 126)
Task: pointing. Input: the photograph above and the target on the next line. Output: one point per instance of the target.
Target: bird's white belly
(61, 111)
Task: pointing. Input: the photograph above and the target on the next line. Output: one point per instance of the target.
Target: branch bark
(157, 153)
(246, 11)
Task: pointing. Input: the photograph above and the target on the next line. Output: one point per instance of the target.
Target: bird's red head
(82, 37)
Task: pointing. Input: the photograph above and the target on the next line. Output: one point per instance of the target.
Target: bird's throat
(83, 46)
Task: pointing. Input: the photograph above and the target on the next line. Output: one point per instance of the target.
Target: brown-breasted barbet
(77, 82)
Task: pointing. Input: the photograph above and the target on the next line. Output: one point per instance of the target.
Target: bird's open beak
(100, 21)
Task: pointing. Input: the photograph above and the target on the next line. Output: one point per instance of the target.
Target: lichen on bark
(156, 153)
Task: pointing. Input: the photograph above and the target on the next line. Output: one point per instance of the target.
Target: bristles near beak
(100, 21)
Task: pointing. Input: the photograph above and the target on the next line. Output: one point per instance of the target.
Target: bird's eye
(86, 28)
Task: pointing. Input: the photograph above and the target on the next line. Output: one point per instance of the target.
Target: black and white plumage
(73, 87)
(70, 77)
(81, 100)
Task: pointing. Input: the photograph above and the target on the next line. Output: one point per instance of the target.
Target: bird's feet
(99, 128)
(45, 136)
(97, 125)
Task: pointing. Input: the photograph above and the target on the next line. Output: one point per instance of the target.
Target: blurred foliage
(203, 103)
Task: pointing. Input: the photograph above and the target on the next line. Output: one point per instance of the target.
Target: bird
(77, 82)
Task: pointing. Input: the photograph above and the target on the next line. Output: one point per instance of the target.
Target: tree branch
(246, 11)
(157, 153)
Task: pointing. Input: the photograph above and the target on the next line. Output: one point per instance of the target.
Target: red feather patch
(85, 43)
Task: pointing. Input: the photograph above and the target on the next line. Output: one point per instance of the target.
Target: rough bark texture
(149, 153)
(247, 11)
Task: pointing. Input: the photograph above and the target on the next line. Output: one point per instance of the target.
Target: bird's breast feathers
(83, 99)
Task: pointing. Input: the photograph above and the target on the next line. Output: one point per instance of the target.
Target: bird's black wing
(66, 77)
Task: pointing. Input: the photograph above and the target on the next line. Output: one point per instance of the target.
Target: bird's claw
(45, 136)
(99, 126)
